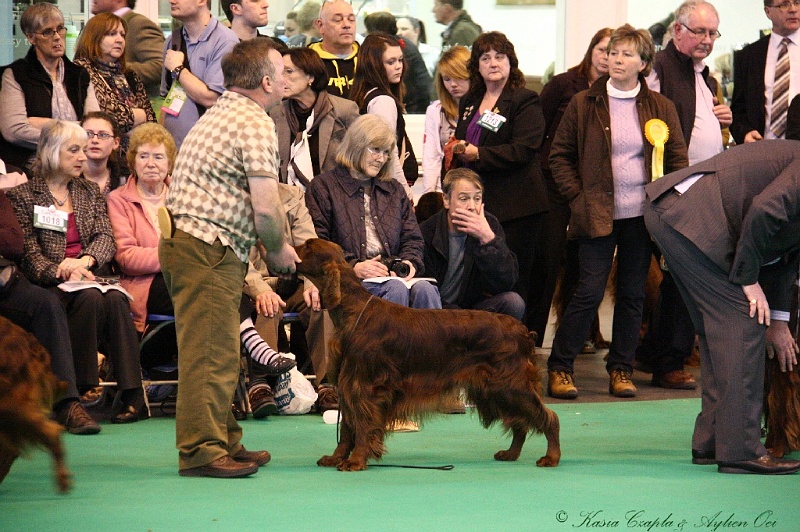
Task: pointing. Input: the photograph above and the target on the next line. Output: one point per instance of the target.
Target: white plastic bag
(294, 394)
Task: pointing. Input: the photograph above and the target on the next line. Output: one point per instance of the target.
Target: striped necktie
(780, 91)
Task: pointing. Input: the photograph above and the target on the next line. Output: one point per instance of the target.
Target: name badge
(175, 99)
(50, 218)
(491, 121)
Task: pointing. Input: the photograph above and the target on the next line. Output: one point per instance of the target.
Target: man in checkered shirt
(223, 195)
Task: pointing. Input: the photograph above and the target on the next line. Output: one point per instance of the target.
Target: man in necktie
(766, 76)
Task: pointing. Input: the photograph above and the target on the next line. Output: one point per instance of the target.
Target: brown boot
(620, 384)
(561, 385)
(674, 380)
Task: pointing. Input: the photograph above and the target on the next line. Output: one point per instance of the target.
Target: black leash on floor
(447, 467)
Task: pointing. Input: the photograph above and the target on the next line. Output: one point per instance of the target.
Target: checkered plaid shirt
(209, 195)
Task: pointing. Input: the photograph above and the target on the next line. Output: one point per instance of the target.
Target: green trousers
(205, 283)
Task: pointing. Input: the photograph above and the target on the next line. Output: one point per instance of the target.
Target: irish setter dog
(27, 390)
(395, 363)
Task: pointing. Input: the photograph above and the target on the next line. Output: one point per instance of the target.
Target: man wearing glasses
(41, 86)
(766, 76)
(680, 74)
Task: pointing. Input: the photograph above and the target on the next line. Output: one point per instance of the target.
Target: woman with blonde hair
(601, 162)
(360, 206)
(452, 82)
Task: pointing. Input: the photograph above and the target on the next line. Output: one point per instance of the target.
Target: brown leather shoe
(764, 465)
(222, 467)
(258, 457)
(674, 380)
(561, 385)
(620, 384)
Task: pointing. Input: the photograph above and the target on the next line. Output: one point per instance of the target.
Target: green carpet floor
(624, 466)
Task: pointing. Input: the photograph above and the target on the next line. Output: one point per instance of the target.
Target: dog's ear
(331, 291)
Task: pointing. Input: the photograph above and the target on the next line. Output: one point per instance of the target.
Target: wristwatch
(176, 72)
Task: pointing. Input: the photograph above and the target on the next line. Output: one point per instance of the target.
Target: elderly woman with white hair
(68, 237)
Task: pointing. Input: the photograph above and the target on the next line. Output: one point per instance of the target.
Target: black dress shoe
(278, 365)
(703, 457)
(258, 457)
(222, 467)
(130, 414)
(765, 465)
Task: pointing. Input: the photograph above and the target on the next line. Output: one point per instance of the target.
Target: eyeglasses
(786, 6)
(102, 135)
(713, 34)
(49, 32)
(377, 152)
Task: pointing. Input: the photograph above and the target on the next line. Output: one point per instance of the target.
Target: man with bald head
(680, 73)
(338, 47)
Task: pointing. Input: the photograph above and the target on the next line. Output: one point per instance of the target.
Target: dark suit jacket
(748, 102)
(509, 159)
(331, 132)
(744, 212)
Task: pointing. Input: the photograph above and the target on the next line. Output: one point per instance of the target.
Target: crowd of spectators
(516, 180)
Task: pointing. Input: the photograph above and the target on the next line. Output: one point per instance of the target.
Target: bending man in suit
(728, 227)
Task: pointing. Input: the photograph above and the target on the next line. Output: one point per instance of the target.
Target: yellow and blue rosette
(657, 133)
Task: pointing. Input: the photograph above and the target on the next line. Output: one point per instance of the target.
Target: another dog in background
(28, 388)
(396, 363)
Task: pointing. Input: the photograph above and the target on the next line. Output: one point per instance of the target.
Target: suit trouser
(731, 345)
(205, 282)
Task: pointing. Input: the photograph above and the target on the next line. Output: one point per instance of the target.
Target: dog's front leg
(513, 452)
(344, 448)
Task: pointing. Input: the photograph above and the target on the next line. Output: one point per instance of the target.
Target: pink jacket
(137, 247)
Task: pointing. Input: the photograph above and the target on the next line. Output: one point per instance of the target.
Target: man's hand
(173, 59)
(723, 113)
(758, 303)
(472, 223)
(311, 297)
(268, 302)
(780, 342)
(753, 136)
(371, 268)
(283, 263)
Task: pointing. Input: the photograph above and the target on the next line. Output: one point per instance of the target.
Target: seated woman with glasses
(103, 166)
(41, 86)
(361, 207)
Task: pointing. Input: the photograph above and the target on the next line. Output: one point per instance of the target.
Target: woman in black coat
(501, 128)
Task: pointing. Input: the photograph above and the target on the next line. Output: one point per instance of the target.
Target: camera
(396, 265)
